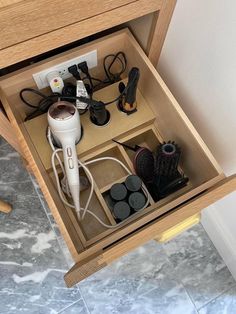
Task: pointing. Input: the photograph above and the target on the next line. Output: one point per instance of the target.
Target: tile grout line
(198, 308)
(83, 298)
(195, 306)
(68, 306)
(201, 307)
(185, 289)
(220, 294)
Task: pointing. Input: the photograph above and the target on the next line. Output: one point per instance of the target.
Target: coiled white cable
(83, 165)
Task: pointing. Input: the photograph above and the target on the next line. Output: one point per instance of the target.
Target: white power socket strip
(41, 77)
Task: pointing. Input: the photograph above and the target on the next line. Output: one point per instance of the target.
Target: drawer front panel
(56, 37)
(154, 230)
(84, 269)
(28, 19)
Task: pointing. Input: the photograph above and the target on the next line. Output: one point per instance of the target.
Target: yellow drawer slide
(179, 228)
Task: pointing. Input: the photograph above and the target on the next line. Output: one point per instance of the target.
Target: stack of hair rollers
(126, 198)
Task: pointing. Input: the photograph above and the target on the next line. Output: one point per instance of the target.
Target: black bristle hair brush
(167, 159)
(168, 178)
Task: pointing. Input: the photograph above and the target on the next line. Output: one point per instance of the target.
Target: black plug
(69, 90)
(74, 71)
(84, 67)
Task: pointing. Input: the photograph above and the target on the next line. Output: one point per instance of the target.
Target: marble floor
(185, 275)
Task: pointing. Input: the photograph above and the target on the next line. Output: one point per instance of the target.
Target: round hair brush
(167, 160)
(168, 178)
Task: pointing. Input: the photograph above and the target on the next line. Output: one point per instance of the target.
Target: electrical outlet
(40, 78)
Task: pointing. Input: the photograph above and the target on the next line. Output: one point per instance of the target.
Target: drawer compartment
(158, 118)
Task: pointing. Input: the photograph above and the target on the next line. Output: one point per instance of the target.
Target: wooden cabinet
(30, 28)
(159, 118)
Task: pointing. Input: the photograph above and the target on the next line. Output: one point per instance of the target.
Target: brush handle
(134, 149)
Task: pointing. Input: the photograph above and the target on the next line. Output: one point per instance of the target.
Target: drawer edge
(151, 231)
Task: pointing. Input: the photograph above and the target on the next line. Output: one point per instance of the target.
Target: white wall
(198, 63)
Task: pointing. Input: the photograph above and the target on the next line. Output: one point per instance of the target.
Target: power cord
(121, 58)
(43, 104)
(47, 101)
(74, 72)
(84, 69)
(108, 63)
(69, 92)
(87, 171)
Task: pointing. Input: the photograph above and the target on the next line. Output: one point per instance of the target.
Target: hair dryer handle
(72, 171)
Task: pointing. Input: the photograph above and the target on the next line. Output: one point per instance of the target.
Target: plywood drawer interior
(159, 118)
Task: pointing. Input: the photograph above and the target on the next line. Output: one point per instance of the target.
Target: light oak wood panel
(28, 19)
(94, 136)
(62, 36)
(160, 24)
(5, 3)
(5, 207)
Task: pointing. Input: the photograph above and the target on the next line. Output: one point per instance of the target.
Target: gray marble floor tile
(17, 191)
(69, 260)
(44, 204)
(12, 169)
(40, 194)
(167, 298)
(125, 285)
(24, 200)
(224, 304)
(198, 265)
(54, 225)
(24, 303)
(36, 185)
(2, 141)
(32, 265)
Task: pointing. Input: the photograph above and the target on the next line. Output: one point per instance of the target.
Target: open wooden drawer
(159, 118)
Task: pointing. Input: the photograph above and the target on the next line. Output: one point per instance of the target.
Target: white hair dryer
(64, 123)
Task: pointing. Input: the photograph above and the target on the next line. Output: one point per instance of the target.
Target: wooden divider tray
(159, 118)
(137, 128)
